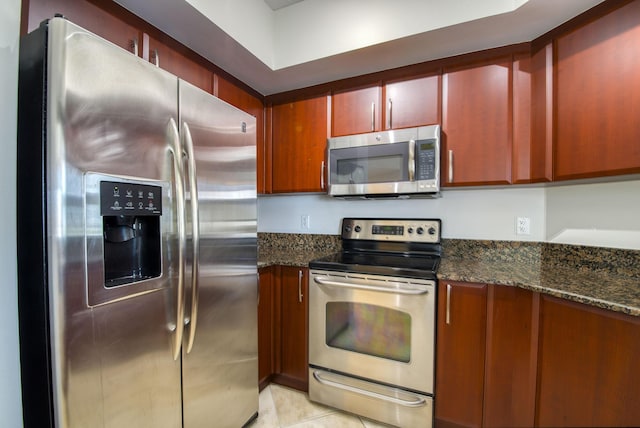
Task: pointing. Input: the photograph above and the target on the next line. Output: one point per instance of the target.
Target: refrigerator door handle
(195, 221)
(173, 138)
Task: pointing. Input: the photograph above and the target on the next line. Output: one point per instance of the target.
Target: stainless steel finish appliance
(396, 163)
(137, 242)
(372, 321)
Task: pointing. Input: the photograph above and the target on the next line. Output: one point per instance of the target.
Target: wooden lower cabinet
(588, 368)
(511, 357)
(486, 356)
(460, 354)
(283, 327)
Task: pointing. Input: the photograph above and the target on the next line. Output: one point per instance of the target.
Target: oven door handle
(417, 402)
(399, 287)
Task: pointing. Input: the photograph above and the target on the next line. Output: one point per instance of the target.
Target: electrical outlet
(305, 220)
(523, 226)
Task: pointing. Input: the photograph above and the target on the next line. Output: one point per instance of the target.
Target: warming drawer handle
(400, 290)
(418, 402)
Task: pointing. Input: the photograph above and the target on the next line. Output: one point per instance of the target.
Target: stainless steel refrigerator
(137, 242)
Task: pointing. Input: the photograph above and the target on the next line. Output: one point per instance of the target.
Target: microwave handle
(412, 160)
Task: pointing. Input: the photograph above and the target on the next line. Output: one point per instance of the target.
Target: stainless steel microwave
(396, 163)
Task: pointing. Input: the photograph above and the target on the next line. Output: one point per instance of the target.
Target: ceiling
(280, 45)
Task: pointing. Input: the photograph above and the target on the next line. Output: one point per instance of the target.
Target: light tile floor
(282, 407)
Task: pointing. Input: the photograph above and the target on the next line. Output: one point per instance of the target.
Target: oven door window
(369, 329)
(383, 163)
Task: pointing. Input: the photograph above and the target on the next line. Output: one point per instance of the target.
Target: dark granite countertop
(596, 288)
(606, 278)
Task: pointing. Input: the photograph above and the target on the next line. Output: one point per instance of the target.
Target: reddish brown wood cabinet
(541, 148)
(292, 321)
(299, 132)
(412, 102)
(511, 357)
(177, 63)
(598, 97)
(476, 123)
(356, 111)
(461, 328)
(588, 366)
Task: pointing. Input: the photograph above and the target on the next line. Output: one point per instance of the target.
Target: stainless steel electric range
(372, 320)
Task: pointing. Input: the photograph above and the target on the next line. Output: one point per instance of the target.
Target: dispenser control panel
(130, 199)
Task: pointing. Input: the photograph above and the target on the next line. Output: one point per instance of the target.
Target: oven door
(375, 327)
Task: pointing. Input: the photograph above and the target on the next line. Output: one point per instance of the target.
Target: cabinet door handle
(390, 114)
(450, 178)
(322, 176)
(448, 313)
(133, 46)
(373, 116)
(300, 286)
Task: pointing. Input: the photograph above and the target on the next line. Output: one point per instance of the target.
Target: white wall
(10, 393)
(470, 214)
(604, 214)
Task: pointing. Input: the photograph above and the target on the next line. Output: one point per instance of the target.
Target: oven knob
(410, 230)
(347, 229)
(358, 229)
(420, 231)
(432, 231)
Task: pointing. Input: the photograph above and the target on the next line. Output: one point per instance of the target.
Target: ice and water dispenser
(131, 232)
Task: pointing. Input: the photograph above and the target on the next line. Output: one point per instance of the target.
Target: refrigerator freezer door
(108, 113)
(220, 358)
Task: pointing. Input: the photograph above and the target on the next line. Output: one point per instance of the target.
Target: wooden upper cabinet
(413, 102)
(299, 132)
(238, 97)
(461, 329)
(356, 111)
(541, 148)
(588, 366)
(598, 97)
(89, 16)
(177, 63)
(477, 123)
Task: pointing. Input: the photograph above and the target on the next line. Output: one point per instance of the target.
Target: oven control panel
(404, 230)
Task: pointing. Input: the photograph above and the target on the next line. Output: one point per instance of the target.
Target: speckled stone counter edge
(603, 277)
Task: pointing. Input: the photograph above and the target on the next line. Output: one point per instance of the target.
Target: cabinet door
(477, 114)
(541, 148)
(293, 364)
(460, 347)
(356, 111)
(236, 96)
(266, 325)
(588, 371)
(177, 63)
(414, 102)
(598, 97)
(105, 23)
(510, 369)
(298, 145)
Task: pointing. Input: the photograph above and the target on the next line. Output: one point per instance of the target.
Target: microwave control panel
(426, 159)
